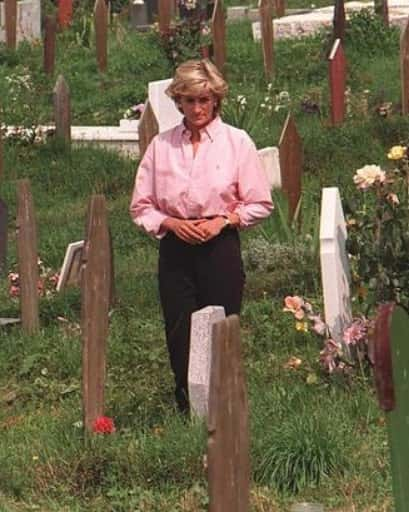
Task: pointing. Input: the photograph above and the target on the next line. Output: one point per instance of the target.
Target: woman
(196, 185)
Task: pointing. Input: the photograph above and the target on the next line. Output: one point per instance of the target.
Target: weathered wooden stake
(95, 295)
(27, 257)
(382, 10)
(101, 34)
(64, 13)
(148, 127)
(219, 35)
(280, 8)
(3, 216)
(291, 163)
(62, 110)
(50, 29)
(404, 68)
(228, 431)
(267, 36)
(337, 81)
(391, 366)
(339, 20)
(165, 11)
(10, 12)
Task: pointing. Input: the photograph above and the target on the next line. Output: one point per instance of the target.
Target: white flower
(241, 100)
(368, 176)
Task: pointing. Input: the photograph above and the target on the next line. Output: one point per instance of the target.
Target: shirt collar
(210, 129)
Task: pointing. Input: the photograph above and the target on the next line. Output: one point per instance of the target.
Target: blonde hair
(193, 77)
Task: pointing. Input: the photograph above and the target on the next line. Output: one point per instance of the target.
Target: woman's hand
(189, 231)
(211, 227)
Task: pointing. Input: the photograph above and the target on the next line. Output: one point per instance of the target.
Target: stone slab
(271, 162)
(28, 20)
(163, 107)
(201, 357)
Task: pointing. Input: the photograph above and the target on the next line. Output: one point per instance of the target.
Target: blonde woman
(197, 185)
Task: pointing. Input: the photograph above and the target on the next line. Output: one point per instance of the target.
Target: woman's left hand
(211, 227)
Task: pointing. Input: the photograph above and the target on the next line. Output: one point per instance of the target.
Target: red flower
(103, 425)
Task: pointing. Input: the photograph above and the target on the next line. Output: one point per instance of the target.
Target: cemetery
(299, 403)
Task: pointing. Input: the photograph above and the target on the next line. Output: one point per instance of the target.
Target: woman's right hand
(187, 230)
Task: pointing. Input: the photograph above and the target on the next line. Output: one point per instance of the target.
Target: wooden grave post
(290, 151)
(339, 20)
(27, 257)
(391, 365)
(267, 36)
(62, 110)
(404, 68)
(10, 13)
(95, 297)
(50, 29)
(228, 430)
(101, 34)
(337, 81)
(64, 13)
(280, 8)
(382, 10)
(148, 127)
(165, 12)
(3, 217)
(218, 25)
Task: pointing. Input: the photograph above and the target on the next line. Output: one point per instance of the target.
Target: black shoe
(182, 401)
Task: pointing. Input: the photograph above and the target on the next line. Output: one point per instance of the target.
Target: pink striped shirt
(224, 176)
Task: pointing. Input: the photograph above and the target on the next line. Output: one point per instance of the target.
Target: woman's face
(198, 109)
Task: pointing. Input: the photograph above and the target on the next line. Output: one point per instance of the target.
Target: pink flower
(294, 304)
(14, 291)
(355, 333)
(329, 355)
(103, 425)
(318, 326)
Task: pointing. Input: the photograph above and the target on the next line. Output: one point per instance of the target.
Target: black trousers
(190, 278)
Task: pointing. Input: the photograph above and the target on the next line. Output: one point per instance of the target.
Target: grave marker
(3, 217)
(165, 11)
(271, 163)
(27, 257)
(10, 12)
(391, 352)
(163, 106)
(147, 128)
(382, 10)
(280, 8)
(62, 110)
(101, 33)
(404, 68)
(95, 295)
(71, 268)
(339, 20)
(266, 22)
(335, 272)
(64, 13)
(50, 29)
(200, 357)
(291, 162)
(228, 431)
(219, 35)
(337, 80)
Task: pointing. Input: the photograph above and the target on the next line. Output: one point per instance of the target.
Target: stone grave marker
(138, 14)
(95, 297)
(50, 29)
(27, 257)
(10, 12)
(291, 163)
(271, 162)
(266, 23)
(335, 273)
(228, 431)
(62, 110)
(337, 80)
(64, 13)
(382, 10)
(339, 20)
(71, 267)
(201, 356)
(148, 127)
(404, 68)
(101, 33)
(163, 107)
(218, 24)
(391, 365)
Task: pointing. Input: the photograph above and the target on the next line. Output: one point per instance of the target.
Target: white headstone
(335, 272)
(163, 107)
(271, 162)
(201, 356)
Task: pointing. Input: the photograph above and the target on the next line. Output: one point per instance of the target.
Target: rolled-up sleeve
(144, 210)
(255, 202)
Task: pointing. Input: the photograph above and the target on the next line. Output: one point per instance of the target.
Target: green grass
(314, 438)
